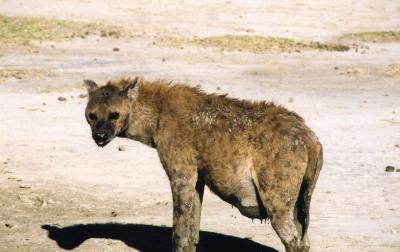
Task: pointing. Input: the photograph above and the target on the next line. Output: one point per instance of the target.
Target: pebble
(389, 168)
(114, 214)
(61, 98)
(23, 186)
(115, 49)
(121, 148)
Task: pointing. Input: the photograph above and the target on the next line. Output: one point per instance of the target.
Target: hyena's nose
(101, 136)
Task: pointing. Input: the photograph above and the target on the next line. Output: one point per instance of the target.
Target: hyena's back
(259, 157)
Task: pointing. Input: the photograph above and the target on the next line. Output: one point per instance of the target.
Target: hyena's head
(107, 111)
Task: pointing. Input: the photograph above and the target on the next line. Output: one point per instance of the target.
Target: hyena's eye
(113, 116)
(92, 116)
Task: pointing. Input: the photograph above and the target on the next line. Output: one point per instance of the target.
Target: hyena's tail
(315, 160)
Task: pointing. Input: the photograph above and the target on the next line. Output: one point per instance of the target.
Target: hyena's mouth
(102, 138)
(102, 143)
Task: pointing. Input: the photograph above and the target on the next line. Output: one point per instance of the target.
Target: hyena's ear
(131, 88)
(90, 85)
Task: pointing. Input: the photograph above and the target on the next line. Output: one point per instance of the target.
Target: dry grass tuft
(377, 36)
(20, 31)
(256, 44)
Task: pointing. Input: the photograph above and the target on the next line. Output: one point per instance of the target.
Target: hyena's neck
(145, 113)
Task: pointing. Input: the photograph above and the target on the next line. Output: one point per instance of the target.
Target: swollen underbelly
(249, 207)
(244, 195)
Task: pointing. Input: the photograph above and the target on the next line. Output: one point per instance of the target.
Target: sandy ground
(59, 191)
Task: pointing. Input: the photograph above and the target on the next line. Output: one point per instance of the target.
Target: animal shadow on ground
(146, 238)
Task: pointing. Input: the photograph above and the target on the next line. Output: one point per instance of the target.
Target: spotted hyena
(257, 156)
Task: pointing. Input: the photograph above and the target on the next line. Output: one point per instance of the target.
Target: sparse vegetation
(61, 88)
(392, 71)
(22, 73)
(21, 31)
(377, 36)
(256, 44)
(389, 71)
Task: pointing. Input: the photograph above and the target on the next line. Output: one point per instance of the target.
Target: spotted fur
(257, 156)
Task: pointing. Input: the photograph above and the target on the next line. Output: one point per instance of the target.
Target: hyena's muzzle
(102, 133)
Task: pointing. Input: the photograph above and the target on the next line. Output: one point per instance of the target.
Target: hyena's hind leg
(279, 186)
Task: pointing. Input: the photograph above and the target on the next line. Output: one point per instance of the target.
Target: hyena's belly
(235, 185)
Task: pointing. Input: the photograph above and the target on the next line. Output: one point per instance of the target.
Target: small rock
(38, 202)
(163, 59)
(115, 49)
(397, 170)
(389, 168)
(114, 214)
(8, 225)
(291, 99)
(336, 68)
(121, 148)
(82, 96)
(397, 145)
(44, 104)
(218, 88)
(23, 186)
(62, 99)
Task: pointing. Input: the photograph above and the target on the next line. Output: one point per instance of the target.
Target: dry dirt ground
(59, 191)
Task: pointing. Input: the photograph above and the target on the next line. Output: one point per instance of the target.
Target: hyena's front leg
(196, 214)
(187, 197)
